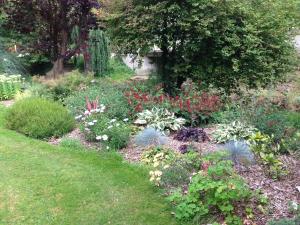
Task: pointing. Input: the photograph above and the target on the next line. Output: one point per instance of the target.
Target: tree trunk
(58, 65)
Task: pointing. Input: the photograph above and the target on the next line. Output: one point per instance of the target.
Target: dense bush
(225, 42)
(9, 86)
(39, 118)
(109, 94)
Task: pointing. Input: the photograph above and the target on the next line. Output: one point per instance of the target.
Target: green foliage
(119, 71)
(239, 41)
(9, 86)
(265, 149)
(216, 187)
(39, 118)
(279, 124)
(112, 134)
(160, 119)
(99, 52)
(109, 94)
(234, 131)
(286, 221)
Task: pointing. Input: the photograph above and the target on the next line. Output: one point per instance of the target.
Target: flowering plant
(192, 104)
(111, 133)
(9, 86)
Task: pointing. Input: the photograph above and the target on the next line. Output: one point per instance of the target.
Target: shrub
(111, 133)
(216, 188)
(111, 95)
(39, 118)
(160, 119)
(9, 86)
(150, 137)
(278, 124)
(266, 151)
(239, 153)
(191, 134)
(233, 132)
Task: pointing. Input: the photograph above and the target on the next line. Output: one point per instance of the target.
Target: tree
(51, 23)
(218, 42)
(99, 52)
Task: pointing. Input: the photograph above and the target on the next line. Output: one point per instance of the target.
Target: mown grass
(43, 184)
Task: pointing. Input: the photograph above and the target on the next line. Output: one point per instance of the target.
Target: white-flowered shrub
(111, 133)
(160, 119)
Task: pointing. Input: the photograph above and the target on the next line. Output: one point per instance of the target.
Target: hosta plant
(160, 119)
(9, 86)
(233, 132)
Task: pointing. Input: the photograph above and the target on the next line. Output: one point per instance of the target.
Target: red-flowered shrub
(194, 105)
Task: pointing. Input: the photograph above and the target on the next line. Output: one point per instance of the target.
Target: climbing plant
(99, 52)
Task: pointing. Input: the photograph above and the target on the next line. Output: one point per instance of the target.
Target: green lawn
(42, 184)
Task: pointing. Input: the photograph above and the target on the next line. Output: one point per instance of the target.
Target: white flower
(27, 53)
(5, 60)
(95, 121)
(294, 205)
(98, 138)
(109, 127)
(91, 124)
(113, 120)
(166, 166)
(86, 112)
(93, 110)
(86, 129)
(107, 147)
(117, 124)
(93, 81)
(104, 137)
(78, 117)
(126, 119)
(98, 110)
